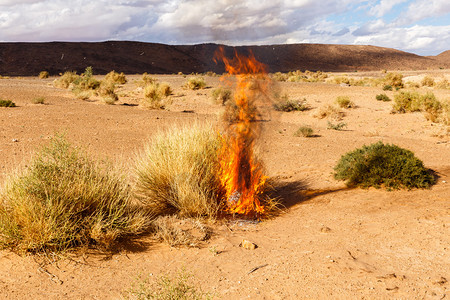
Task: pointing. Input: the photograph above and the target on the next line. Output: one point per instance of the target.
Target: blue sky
(417, 26)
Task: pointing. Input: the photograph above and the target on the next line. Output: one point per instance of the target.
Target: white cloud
(229, 21)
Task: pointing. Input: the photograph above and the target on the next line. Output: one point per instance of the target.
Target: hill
(28, 59)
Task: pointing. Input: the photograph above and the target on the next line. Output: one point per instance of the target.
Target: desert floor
(330, 241)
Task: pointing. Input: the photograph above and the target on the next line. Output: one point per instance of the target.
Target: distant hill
(28, 59)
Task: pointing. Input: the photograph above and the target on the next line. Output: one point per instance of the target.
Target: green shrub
(178, 172)
(86, 81)
(7, 103)
(387, 87)
(344, 102)
(64, 199)
(115, 77)
(382, 97)
(43, 75)
(383, 165)
(304, 131)
(195, 83)
(287, 105)
(221, 95)
(38, 100)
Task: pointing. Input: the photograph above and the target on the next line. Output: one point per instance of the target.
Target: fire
(241, 173)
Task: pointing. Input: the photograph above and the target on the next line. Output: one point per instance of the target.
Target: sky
(417, 26)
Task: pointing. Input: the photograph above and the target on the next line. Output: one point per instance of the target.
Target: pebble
(248, 245)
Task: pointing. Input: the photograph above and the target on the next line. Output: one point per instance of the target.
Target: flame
(241, 173)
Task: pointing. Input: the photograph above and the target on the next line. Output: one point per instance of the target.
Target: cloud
(225, 21)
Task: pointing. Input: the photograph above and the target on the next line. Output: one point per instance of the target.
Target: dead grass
(329, 111)
(115, 77)
(156, 96)
(43, 75)
(178, 172)
(64, 199)
(195, 83)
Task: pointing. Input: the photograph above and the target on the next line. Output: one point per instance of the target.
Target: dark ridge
(28, 59)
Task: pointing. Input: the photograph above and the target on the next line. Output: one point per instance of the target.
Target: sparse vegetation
(38, 100)
(115, 77)
(387, 87)
(178, 173)
(65, 80)
(344, 102)
(285, 104)
(337, 126)
(406, 102)
(304, 131)
(394, 79)
(7, 103)
(382, 97)
(167, 287)
(427, 81)
(379, 165)
(43, 75)
(221, 95)
(107, 91)
(64, 199)
(155, 95)
(195, 83)
(329, 111)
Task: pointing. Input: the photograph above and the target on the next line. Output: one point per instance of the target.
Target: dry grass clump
(180, 232)
(195, 83)
(115, 77)
(221, 95)
(178, 172)
(43, 75)
(443, 84)
(329, 111)
(107, 91)
(156, 96)
(287, 105)
(38, 100)
(7, 103)
(167, 287)
(345, 102)
(393, 79)
(433, 109)
(304, 131)
(299, 76)
(65, 80)
(64, 199)
(427, 81)
(383, 165)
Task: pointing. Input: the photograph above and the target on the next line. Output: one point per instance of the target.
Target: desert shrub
(195, 83)
(64, 199)
(278, 76)
(38, 100)
(86, 81)
(65, 80)
(427, 81)
(107, 91)
(82, 95)
(43, 75)
(165, 89)
(393, 79)
(7, 103)
(387, 87)
(115, 77)
(285, 104)
(155, 96)
(178, 172)
(304, 131)
(431, 107)
(166, 287)
(344, 102)
(383, 165)
(221, 95)
(382, 97)
(147, 80)
(337, 126)
(443, 84)
(329, 111)
(406, 102)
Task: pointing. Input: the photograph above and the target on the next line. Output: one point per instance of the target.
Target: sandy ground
(330, 242)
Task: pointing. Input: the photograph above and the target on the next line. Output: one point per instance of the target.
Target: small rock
(325, 229)
(15, 140)
(248, 245)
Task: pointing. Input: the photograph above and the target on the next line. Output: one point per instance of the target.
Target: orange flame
(241, 173)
